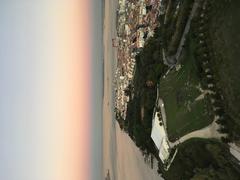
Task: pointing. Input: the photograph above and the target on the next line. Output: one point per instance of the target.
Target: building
(159, 137)
(140, 39)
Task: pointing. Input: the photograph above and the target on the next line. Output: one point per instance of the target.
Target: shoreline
(109, 132)
(122, 159)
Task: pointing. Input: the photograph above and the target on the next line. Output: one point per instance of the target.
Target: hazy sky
(51, 89)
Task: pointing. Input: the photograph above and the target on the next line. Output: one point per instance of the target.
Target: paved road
(173, 60)
(186, 30)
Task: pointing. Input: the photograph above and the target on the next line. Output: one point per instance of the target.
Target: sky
(50, 89)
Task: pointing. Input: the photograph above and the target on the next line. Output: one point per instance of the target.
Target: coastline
(109, 133)
(122, 159)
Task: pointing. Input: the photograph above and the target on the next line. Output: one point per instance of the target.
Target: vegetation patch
(215, 30)
(149, 69)
(199, 159)
(224, 28)
(180, 90)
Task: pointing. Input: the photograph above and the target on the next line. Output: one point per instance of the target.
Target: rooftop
(159, 137)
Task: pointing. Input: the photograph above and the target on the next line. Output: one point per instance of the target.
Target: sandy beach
(122, 160)
(109, 133)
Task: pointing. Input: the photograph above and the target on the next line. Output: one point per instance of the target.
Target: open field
(179, 91)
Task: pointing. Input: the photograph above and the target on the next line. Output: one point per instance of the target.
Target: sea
(97, 89)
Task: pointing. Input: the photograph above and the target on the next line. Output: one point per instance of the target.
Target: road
(173, 60)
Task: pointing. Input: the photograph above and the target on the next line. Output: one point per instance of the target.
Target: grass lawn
(179, 89)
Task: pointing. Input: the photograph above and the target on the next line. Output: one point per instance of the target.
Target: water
(97, 89)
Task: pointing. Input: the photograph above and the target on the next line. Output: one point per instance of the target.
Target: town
(137, 20)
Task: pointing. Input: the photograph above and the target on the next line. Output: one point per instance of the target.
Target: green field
(179, 89)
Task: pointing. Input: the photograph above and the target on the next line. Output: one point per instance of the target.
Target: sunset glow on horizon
(70, 97)
(46, 113)
(71, 91)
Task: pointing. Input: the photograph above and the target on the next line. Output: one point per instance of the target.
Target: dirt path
(210, 131)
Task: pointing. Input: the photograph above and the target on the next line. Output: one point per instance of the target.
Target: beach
(109, 132)
(122, 160)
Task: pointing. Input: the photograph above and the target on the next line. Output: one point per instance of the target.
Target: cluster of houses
(137, 20)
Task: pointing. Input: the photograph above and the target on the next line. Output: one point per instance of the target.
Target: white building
(160, 139)
(127, 29)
